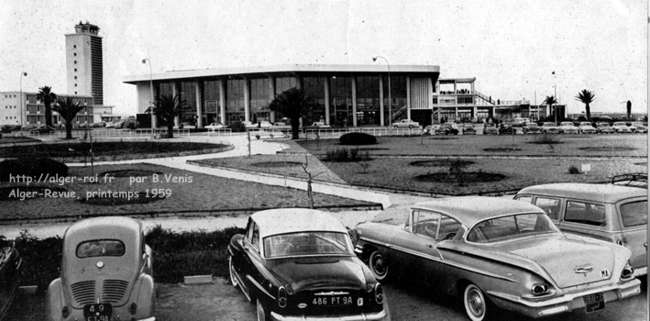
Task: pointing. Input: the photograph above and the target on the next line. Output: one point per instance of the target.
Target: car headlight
(627, 272)
(539, 289)
(379, 293)
(282, 297)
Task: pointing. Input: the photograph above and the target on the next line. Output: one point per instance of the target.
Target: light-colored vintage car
(299, 264)
(622, 127)
(567, 127)
(615, 213)
(106, 273)
(550, 128)
(494, 250)
(406, 123)
(587, 128)
(604, 128)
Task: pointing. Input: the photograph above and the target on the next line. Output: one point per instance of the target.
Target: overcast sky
(511, 46)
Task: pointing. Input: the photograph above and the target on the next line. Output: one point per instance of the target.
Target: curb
(526, 156)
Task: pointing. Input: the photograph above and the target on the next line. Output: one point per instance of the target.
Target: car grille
(83, 292)
(114, 290)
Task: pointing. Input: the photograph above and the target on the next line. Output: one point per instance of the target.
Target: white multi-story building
(83, 54)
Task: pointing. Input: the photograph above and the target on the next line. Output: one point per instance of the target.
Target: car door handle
(645, 245)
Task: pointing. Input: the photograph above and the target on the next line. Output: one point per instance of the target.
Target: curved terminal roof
(283, 69)
(472, 209)
(292, 220)
(606, 193)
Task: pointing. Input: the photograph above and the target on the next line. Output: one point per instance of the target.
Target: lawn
(17, 139)
(108, 150)
(519, 145)
(177, 192)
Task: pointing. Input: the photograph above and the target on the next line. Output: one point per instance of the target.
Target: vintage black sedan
(497, 252)
(299, 264)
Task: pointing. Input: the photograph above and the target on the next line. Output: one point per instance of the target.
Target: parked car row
(554, 248)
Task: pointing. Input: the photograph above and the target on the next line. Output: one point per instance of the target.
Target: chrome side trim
(242, 286)
(358, 317)
(641, 271)
(434, 258)
(260, 287)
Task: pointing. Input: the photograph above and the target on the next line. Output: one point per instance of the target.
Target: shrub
(41, 259)
(33, 167)
(237, 127)
(357, 139)
(574, 170)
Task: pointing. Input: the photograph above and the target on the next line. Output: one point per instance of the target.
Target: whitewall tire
(378, 266)
(475, 303)
(260, 311)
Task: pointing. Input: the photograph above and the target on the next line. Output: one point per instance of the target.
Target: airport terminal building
(341, 95)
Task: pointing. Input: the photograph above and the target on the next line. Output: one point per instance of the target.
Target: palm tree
(167, 108)
(586, 97)
(291, 103)
(67, 109)
(46, 95)
(550, 101)
(628, 109)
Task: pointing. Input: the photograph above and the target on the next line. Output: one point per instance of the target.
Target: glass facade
(398, 95)
(211, 102)
(234, 100)
(368, 101)
(188, 96)
(284, 83)
(314, 88)
(260, 99)
(341, 101)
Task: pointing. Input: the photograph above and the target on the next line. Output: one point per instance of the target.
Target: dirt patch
(18, 193)
(607, 148)
(501, 149)
(464, 177)
(442, 162)
(276, 164)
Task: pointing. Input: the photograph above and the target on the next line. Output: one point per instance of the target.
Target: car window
(448, 229)
(585, 213)
(550, 205)
(95, 248)
(306, 243)
(426, 223)
(634, 213)
(511, 226)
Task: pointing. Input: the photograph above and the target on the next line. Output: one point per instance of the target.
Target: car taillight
(133, 308)
(627, 272)
(65, 312)
(282, 297)
(379, 293)
(539, 289)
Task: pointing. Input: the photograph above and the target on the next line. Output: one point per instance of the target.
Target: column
(272, 96)
(326, 88)
(475, 112)
(222, 101)
(154, 118)
(247, 101)
(198, 89)
(176, 92)
(408, 97)
(456, 113)
(381, 101)
(430, 87)
(354, 101)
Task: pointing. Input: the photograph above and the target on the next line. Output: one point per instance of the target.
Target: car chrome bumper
(641, 271)
(564, 303)
(379, 316)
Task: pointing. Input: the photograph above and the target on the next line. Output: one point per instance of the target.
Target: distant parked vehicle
(631, 179)
(445, 129)
(640, 127)
(490, 130)
(532, 128)
(550, 128)
(567, 127)
(98, 124)
(520, 121)
(604, 128)
(406, 123)
(106, 273)
(507, 129)
(586, 127)
(215, 126)
(320, 124)
(618, 214)
(622, 127)
(469, 130)
(42, 130)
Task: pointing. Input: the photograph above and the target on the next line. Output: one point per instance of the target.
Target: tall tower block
(83, 55)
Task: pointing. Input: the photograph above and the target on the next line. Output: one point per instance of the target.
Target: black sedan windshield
(511, 226)
(306, 243)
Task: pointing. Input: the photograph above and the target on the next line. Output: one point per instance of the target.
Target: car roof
(108, 224)
(473, 209)
(606, 193)
(291, 220)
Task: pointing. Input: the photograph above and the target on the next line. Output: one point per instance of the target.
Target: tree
(550, 101)
(292, 104)
(167, 108)
(586, 97)
(67, 109)
(46, 95)
(628, 109)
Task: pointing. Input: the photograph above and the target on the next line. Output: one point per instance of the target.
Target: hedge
(357, 138)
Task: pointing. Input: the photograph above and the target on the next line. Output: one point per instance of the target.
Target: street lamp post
(390, 100)
(555, 95)
(22, 108)
(151, 102)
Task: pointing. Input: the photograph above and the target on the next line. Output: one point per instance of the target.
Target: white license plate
(332, 300)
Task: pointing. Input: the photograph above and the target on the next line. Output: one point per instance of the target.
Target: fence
(375, 131)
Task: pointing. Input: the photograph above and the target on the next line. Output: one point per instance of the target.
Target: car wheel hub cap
(476, 303)
(379, 265)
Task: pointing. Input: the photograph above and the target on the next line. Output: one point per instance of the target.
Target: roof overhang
(283, 69)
